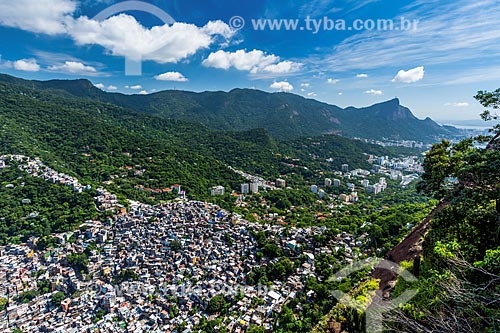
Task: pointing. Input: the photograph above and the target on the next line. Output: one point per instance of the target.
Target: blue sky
(434, 67)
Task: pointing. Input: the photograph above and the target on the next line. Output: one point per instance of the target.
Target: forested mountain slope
(283, 115)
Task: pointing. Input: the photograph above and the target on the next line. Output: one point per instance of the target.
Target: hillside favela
(325, 166)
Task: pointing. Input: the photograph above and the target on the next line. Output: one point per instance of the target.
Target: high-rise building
(345, 168)
(280, 183)
(321, 194)
(328, 182)
(245, 188)
(344, 197)
(336, 183)
(314, 188)
(217, 190)
(396, 175)
(383, 183)
(375, 189)
(254, 187)
(365, 182)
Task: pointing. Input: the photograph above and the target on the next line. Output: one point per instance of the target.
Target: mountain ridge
(284, 115)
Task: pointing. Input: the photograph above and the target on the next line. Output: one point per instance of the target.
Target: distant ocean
(479, 128)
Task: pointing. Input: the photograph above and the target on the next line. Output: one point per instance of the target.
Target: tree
(28, 296)
(174, 311)
(3, 303)
(459, 282)
(239, 296)
(78, 261)
(216, 304)
(491, 100)
(255, 329)
(99, 315)
(43, 286)
(467, 180)
(272, 250)
(57, 298)
(175, 245)
(126, 275)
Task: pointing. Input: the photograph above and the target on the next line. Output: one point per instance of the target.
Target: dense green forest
(95, 141)
(47, 207)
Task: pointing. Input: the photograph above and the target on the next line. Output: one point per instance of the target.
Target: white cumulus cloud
(410, 76)
(136, 87)
(362, 76)
(102, 86)
(282, 86)
(42, 16)
(282, 67)
(374, 92)
(218, 28)
(332, 81)
(123, 35)
(143, 92)
(73, 67)
(255, 61)
(27, 65)
(171, 76)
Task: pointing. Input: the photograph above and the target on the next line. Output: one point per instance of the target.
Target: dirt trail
(407, 250)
